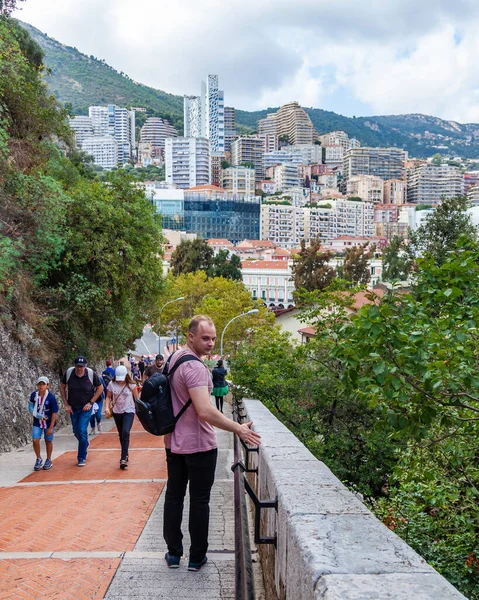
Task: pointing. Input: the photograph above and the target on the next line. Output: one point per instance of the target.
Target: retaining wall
(330, 546)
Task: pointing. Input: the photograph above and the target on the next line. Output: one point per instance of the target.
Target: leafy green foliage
(355, 267)
(397, 261)
(220, 298)
(441, 230)
(415, 357)
(311, 270)
(85, 254)
(227, 266)
(191, 256)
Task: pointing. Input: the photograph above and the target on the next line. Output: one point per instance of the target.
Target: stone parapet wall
(330, 546)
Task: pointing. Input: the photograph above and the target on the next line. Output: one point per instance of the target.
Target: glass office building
(230, 216)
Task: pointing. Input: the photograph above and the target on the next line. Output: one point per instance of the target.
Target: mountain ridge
(82, 81)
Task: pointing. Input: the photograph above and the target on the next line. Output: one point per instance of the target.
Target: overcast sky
(355, 57)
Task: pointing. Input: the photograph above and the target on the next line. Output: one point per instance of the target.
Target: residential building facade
(104, 149)
(367, 187)
(385, 163)
(249, 149)
(429, 184)
(187, 162)
(238, 179)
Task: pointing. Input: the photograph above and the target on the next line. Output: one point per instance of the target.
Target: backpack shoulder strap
(180, 361)
(69, 372)
(90, 375)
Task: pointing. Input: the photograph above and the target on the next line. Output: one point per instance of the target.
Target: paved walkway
(96, 532)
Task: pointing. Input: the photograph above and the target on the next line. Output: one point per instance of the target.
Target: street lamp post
(250, 312)
(159, 319)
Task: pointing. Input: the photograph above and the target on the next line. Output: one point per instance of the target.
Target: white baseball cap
(43, 379)
(120, 373)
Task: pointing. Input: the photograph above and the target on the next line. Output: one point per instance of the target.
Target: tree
(311, 269)
(220, 298)
(226, 266)
(415, 357)
(355, 267)
(191, 256)
(441, 230)
(397, 261)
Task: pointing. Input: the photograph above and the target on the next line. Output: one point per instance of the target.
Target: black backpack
(154, 408)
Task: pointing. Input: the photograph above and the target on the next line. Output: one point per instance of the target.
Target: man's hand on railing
(248, 435)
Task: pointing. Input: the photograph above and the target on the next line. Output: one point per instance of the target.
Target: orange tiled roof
(206, 188)
(263, 264)
(218, 242)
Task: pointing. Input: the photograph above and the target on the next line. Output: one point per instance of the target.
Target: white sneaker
(99, 428)
(92, 432)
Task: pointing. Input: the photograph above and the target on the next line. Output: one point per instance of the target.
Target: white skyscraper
(192, 116)
(99, 119)
(187, 161)
(204, 115)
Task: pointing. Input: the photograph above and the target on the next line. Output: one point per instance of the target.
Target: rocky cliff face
(18, 373)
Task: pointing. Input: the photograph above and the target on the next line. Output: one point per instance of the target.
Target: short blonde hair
(195, 322)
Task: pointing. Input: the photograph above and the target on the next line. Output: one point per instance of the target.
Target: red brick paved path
(103, 514)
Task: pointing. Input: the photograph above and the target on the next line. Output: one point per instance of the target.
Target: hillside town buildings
(429, 184)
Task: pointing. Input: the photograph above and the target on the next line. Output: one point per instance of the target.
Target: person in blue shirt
(44, 408)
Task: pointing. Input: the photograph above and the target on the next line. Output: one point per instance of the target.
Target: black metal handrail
(244, 564)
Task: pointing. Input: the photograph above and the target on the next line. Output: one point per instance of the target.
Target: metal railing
(244, 577)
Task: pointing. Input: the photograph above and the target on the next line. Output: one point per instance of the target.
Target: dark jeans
(96, 418)
(219, 403)
(199, 471)
(124, 423)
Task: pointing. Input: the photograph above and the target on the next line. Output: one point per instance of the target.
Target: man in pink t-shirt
(192, 449)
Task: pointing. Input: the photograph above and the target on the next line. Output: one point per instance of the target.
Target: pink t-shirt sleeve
(195, 377)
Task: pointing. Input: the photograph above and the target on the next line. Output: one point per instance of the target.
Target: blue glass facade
(234, 217)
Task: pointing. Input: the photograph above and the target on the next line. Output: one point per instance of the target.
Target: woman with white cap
(120, 400)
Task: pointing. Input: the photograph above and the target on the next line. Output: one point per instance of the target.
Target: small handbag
(109, 409)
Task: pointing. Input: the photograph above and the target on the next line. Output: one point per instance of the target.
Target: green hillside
(82, 81)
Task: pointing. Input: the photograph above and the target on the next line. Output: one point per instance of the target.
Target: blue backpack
(154, 408)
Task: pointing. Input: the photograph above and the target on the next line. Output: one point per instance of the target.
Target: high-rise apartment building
(83, 128)
(248, 149)
(230, 127)
(429, 184)
(281, 157)
(238, 179)
(204, 116)
(285, 176)
(395, 191)
(100, 120)
(104, 149)
(187, 161)
(386, 163)
(155, 131)
(117, 122)
(270, 141)
(291, 122)
(367, 187)
(287, 225)
(284, 225)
